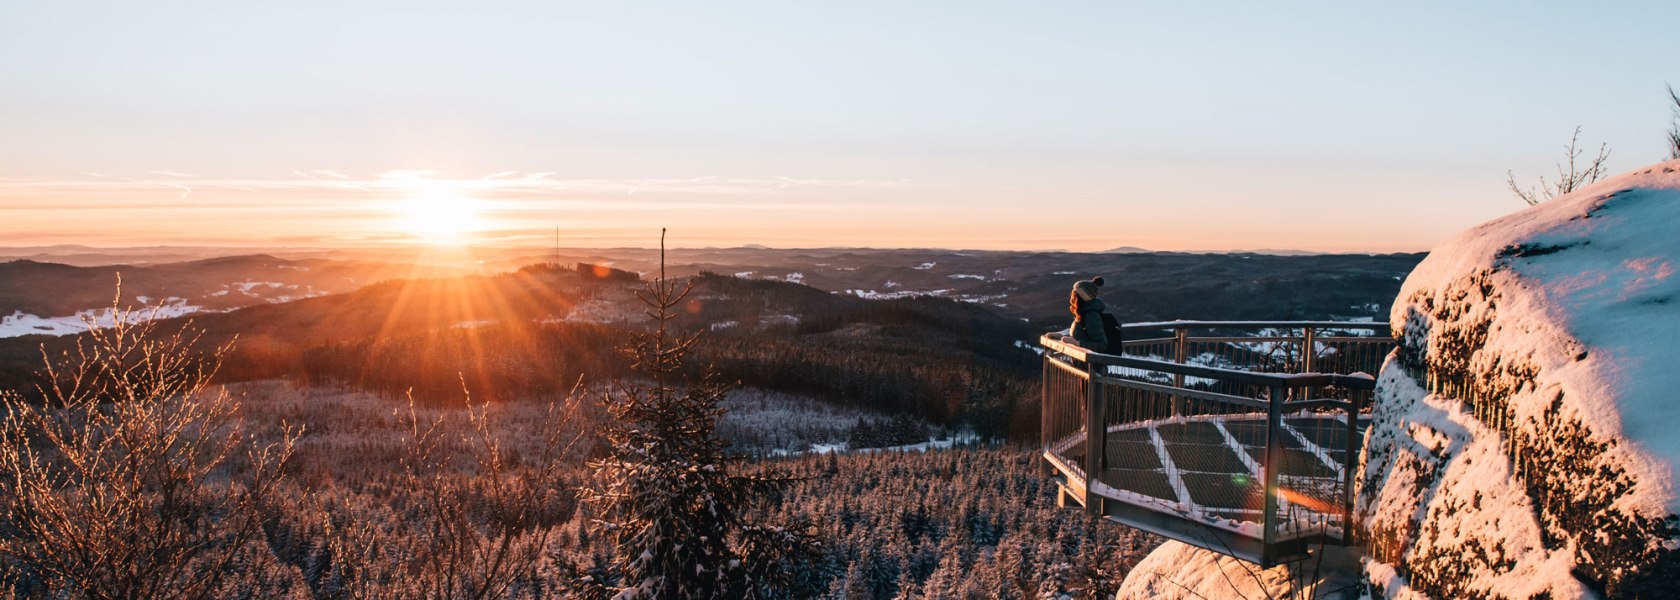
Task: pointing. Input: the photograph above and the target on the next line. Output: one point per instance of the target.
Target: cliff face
(1527, 431)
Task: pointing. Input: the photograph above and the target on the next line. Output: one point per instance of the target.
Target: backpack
(1111, 329)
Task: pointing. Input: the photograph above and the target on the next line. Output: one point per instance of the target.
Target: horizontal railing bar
(1315, 403)
(1281, 379)
(1249, 324)
(1243, 339)
(1358, 382)
(1097, 358)
(1164, 340)
(1070, 350)
(1186, 392)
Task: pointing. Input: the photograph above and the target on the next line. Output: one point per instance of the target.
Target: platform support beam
(1181, 353)
(1350, 465)
(1096, 437)
(1309, 350)
(1274, 460)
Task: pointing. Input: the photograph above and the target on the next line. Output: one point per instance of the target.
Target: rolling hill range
(537, 330)
(47, 298)
(1142, 286)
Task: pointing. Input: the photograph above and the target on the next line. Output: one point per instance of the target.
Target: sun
(439, 217)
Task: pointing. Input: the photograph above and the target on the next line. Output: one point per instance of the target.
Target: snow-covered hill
(1527, 430)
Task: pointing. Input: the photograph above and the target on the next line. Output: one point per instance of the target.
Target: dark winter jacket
(1088, 324)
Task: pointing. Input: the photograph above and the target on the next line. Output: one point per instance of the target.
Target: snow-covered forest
(131, 473)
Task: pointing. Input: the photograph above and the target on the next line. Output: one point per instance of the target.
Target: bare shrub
(1571, 176)
(131, 478)
(1673, 123)
(481, 529)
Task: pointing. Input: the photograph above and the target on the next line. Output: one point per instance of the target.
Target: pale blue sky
(1332, 126)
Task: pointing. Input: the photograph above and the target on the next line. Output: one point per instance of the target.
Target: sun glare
(439, 217)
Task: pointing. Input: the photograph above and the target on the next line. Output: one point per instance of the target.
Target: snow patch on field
(245, 287)
(20, 323)
(875, 295)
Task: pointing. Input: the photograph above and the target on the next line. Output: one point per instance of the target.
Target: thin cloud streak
(164, 206)
(410, 180)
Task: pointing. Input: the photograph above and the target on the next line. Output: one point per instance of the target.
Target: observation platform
(1238, 437)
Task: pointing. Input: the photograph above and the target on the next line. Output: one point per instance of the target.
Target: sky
(1331, 126)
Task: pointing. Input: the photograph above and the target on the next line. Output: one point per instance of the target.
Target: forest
(155, 459)
(546, 432)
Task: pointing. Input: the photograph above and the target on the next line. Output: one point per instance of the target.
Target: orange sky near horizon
(327, 208)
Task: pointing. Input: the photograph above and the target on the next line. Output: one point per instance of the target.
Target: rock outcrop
(1527, 431)
(1178, 571)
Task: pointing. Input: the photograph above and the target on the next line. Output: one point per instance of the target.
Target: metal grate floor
(1212, 466)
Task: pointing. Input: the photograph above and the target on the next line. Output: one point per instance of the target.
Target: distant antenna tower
(556, 246)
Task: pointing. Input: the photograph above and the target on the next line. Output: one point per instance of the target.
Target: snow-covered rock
(1178, 571)
(1526, 432)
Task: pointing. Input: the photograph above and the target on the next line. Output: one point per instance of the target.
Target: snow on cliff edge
(1593, 272)
(1547, 341)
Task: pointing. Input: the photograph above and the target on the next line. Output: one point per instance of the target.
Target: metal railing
(1239, 437)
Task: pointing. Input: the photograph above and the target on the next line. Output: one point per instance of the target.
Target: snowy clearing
(20, 323)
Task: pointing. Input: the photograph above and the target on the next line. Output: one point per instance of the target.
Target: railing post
(1309, 350)
(1096, 437)
(1045, 410)
(1274, 461)
(1182, 353)
(1350, 464)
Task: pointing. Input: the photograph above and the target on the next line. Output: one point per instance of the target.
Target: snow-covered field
(776, 424)
(20, 324)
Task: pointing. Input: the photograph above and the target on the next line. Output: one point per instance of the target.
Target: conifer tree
(666, 496)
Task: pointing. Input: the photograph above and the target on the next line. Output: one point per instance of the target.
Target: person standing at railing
(1093, 328)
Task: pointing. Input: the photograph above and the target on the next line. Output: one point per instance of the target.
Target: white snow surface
(1178, 571)
(1606, 285)
(20, 323)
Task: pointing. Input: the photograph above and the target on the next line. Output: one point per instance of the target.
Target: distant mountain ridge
(1144, 286)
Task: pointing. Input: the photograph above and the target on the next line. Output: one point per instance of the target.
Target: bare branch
(1572, 175)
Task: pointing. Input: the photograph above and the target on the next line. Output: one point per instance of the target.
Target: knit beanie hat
(1086, 290)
